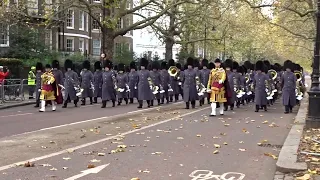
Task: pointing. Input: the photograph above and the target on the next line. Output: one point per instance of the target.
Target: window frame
(72, 20)
(93, 28)
(7, 35)
(81, 20)
(93, 47)
(72, 49)
(81, 50)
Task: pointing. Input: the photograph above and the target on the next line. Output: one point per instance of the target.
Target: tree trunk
(169, 46)
(108, 42)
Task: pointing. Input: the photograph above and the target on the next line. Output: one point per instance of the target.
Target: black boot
(225, 106)
(37, 104)
(257, 108)
(162, 100)
(113, 103)
(95, 100)
(176, 97)
(208, 99)
(140, 103)
(171, 98)
(75, 102)
(91, 100)
(238, 103)
(187, 105)
(83, 101)
(119, 101)
(131, 100)
(159, 103)
(149, 103)
(167, 98)
(126, 100)
(265, 108)
(193, 104)
(231, 107)
(65, 104)
(290, 109)
(200, 102)
(104, 104)
(286, 109)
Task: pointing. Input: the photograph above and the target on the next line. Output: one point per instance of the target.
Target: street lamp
(205, 39)
(313, 120)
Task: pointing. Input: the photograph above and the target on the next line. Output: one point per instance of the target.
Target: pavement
(160, 143)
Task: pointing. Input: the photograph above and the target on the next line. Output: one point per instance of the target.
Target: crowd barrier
(13, 90)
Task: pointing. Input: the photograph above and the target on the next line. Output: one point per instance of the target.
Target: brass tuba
(299, 93)
(154, 88)
(201, 89)
(173, 71)
(273, 73)
(298, 75)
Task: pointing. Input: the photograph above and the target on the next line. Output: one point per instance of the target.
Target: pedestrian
(109, 84)
(122, 83)
(3, 74)
(288, 83)
(97, 81)
(190, 94)
(144, 84)
(260, 83)
(86, 82)
(71, 84)
(165, 82)
(133, 82)
(39, 69)
(49, 89)
(31, 81)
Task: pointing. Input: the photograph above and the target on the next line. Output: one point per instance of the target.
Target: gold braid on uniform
(218, 91)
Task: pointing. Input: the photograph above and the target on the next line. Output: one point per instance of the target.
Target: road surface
(161, 143)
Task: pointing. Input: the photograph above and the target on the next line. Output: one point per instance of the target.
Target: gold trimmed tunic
(47, 89)
(218, 91)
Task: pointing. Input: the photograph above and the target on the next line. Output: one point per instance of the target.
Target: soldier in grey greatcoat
(288, 83)
(236, 82)
(133, 82)
(86, 82)
(39, 72)
(173, 83)
(109, 84)
(190, 93)
(205, 72)
(165, 82)
(58, 75)
(122, 83)
(242, 72)
(259, 82)
(70, 83)
(179, 80)
(228, 64)
(156, 80)
(196, 67)
(144, 89)
(97, 81)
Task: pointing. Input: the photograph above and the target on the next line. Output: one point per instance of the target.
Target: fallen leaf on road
(95, 160)
(53, 169)
(135, 179)
(315, 159)
(135, 126)
(242, 150)
(145, 171)
(66, 158)
(312, 172)
(180, 138)
(216, 152)
(223, 134)
(215, 137)
(226, 125)
(43, 147)
(52, 142)
(258, 126)
(271, 155)
(305, 177)
(64, 168)
(265, 122)
(70, 150)
(156, 153)
(117, 127)
(261, 115)
(101, 154)
(108, 134)
(91, 166)
(122, 146)
(45, 165)
(198, 135)
(28, 164)
(217, 146)
(253, 120)
(241, 142)
(273, 125)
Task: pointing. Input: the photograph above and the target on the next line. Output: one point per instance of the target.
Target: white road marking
(96, 142)
(206, 175)
(88, 171)
(13, 115)
(89, 120)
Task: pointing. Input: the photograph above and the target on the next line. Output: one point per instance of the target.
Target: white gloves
(49, 83)
(220, 81)
(235, 89)
(135, 87)
(208, 90)
(39, 90)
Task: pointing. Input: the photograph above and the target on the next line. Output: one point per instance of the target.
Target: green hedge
(14, 65)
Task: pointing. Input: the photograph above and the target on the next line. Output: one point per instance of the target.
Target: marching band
(224, 85)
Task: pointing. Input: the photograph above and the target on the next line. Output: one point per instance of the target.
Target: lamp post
(313, 120)
(205, 41)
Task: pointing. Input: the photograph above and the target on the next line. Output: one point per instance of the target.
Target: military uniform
(196, 66)
(259, 81)
(86, 82)
(97, 81)
(133, 82)
(190, 93)
(108, 84)
(122, 83)
(71, 82)
(288, 82)
(165, 82)
(144, 90)
(48, 89)
(58, 75)
(156, 80)
(174, 83)
(228, 64)
(39, 69)
(205, 72)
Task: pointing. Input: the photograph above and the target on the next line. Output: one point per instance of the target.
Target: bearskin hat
(259, 66)
(171, 62)
(190, 61)
(267, 63)
(277, 67)
(155, 65)
(196, 63)
(228, 63)
(127, 69)
(205, 63)
(121, 67)
(115, 67)
(48, 66)
(97, 65)
(217, 60)
(68, 64)
(243, 69)
(235, 65)
(178, 65)
(149, 67)
(133, 65)
(288, 65)
(144, 62)
(55, 64)
(247, 64)
(108, 64)
(39, 66)
(164, 65)
(186, 66)
(297, 67)
(265, 69)
(211, 65)
(86, 64)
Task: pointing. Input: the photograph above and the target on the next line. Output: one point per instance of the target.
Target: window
(119, 23)
(81, 20)
(128, 47)
(95, 25)
(87, 24)
(32, 7)
(48, 38)
(81, 45)
(118, 48)
(96, 1)
(48, 6)
(4, 35)
(70, 19)
(70, 44)
(96, 47)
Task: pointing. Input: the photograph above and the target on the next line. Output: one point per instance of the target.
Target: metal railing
(13, 90)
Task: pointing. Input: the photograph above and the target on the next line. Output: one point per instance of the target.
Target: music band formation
(223, 85)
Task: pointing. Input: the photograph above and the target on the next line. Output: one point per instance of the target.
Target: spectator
(3, 75)
(32, 81)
